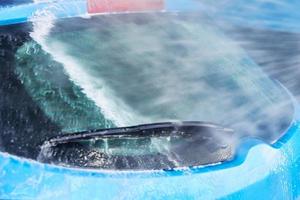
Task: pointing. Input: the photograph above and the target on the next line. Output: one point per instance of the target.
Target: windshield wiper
(149, 146)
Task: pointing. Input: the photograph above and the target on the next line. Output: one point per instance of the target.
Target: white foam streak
(95, 89)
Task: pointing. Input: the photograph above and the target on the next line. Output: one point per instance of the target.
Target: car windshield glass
(60, 76)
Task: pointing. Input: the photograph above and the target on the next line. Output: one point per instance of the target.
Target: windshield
(80, 74)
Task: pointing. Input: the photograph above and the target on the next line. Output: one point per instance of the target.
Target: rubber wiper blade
(148, 146)
(153, 129)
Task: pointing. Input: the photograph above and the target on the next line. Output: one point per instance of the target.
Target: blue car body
(259, 170)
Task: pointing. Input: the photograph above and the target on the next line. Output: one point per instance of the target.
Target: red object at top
(105, 6)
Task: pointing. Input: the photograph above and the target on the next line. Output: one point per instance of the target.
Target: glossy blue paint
(259, 171)
(264, 171)
(24, 12)
(183, 5)
(280, 15)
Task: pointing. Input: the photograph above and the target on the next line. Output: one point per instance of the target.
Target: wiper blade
(149, 146)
